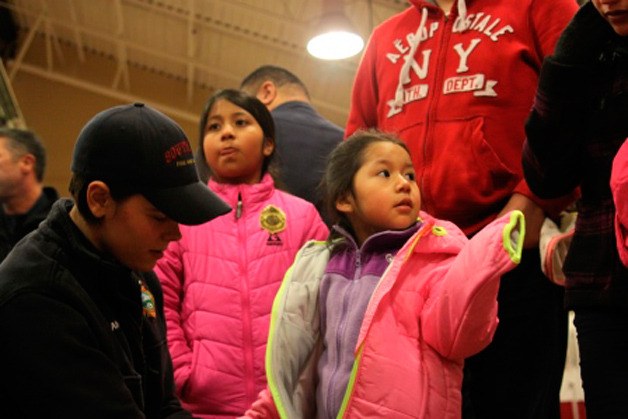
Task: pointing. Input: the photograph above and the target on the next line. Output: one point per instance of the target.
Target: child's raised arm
(460, 315)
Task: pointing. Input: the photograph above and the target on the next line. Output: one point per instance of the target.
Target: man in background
(304, 137)
(25, 202)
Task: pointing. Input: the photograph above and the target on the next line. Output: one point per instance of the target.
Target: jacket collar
(91, 268)
(459, 9)
(388, 239)
(249, 194)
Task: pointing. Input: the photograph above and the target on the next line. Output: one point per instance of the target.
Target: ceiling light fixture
(334, 36)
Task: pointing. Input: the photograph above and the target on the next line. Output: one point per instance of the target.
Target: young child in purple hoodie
(377, 320)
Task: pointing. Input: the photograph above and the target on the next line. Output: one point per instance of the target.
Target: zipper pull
(239, 207)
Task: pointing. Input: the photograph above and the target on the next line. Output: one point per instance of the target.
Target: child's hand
(533, 214)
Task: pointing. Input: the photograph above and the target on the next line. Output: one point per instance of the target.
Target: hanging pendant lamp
(334, 36)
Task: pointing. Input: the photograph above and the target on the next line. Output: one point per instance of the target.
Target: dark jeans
(520, 373)
(603, 345)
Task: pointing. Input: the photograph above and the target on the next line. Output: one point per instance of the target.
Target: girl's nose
(226, 132)
(403, 183)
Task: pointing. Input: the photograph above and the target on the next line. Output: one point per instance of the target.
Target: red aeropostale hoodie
(457, 89)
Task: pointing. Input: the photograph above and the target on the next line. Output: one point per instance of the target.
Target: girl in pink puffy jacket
(220, 279)
(377, 321)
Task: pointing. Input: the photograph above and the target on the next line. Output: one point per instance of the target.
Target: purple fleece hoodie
(350, 278)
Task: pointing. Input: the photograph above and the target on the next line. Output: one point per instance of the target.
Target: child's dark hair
(342, 165)
(78, 189)
(250, 104)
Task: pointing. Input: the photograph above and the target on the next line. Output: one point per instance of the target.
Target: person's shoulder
(294, 113)
(410, 13)
(294, 208)
(292, 201)
(313, 256)
(292, 107)
(28, 268)
(336, 131)
(445, 232)
(304, 118)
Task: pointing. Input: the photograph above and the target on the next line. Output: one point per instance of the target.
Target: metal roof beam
(78, 40)
(191, 50)
(122, 69)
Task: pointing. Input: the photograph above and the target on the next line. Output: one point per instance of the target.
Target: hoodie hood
(461, 23)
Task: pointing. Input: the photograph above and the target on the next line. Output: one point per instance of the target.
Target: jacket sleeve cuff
(514, 235)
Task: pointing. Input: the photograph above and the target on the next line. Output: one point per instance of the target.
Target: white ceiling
(202, 43)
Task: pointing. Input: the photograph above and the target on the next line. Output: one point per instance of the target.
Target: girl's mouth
(228, 151)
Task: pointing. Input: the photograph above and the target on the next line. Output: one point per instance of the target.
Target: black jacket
(78, 337)
(25, 223)
(579, 121)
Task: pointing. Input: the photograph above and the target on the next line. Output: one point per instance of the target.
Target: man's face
(11, 173)
(136, 233)
(616, 13)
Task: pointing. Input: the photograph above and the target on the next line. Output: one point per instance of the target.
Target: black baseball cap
(139, 146)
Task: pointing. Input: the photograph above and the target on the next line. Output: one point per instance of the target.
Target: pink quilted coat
(435, 305)
(219, 282)
(619, 188)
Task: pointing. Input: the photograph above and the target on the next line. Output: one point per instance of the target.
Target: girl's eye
(213, 127)
(384, 173)
(242, 122)
(411, 176)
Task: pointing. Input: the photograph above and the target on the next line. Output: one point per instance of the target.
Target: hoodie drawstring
(405, 69)
(462, 24)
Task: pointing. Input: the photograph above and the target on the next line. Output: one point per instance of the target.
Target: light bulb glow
(335, 45)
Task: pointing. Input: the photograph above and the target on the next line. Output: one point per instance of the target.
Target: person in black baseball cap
(82, 330)
(145, 150)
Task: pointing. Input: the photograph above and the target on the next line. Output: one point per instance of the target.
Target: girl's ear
(268, 146)
(345, 204)
(99, 199)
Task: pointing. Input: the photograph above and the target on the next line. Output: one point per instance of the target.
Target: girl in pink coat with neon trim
(377, 321)
(220, 279)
